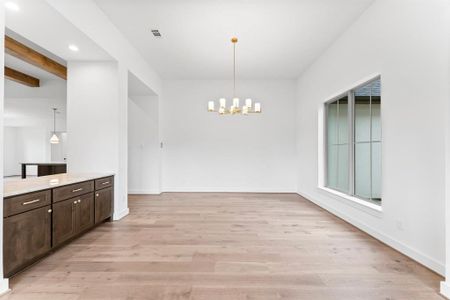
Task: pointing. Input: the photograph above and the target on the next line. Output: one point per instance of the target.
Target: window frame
(350, 195)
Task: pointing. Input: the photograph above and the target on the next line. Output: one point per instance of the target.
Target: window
(353, 142)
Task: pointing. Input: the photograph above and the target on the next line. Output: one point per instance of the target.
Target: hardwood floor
(226, 247)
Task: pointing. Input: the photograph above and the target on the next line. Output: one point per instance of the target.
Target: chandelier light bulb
(236, 102)
(223, 102)
(211, 106)
(257, 107)
(248, 103)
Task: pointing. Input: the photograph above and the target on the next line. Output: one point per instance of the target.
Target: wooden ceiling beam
(35, 58)
(22, 78)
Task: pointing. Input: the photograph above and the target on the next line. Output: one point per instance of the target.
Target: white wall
(406, 42)
(3, 282)
(32, 107)
(25, 144)
(207, 152)
(28, 123)
(445, 285)
(96, 123)
(143, 145)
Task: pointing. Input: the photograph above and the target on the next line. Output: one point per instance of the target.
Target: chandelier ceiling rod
(234, 41)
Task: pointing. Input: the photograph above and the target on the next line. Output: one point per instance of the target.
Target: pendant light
(235, 109)
(54, 139)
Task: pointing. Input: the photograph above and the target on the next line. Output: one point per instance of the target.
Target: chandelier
(235, 109)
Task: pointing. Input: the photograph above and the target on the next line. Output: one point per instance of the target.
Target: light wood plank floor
(226, 247)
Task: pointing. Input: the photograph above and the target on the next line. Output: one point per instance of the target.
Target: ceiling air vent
(156, 33)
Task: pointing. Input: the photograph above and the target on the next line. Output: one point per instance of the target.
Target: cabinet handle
(31, 202)
(106, 182)
(49, 210)
(77, 190)
(79, 200)
(75, 202)
(96, 195)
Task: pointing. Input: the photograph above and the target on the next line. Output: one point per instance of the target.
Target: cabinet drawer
(72, 190)
(22, 203)
(104, 183)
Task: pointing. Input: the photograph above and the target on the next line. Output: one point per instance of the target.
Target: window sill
(356, 200)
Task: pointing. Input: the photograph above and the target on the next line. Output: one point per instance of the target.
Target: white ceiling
(40, 24)
(277, 38)
(20, 65)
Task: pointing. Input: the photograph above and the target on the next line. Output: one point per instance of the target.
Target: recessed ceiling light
(73, 47)
(12, 6)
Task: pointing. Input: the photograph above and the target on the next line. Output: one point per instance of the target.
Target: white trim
(445, 289)
(120, 215)
(144, 192)
(4, 286)
(351, 198)
(414, 254)
(228, 190)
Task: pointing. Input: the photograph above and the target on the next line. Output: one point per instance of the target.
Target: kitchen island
(44, 169)
(40, 214)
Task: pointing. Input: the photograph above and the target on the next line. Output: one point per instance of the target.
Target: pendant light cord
(54, 120)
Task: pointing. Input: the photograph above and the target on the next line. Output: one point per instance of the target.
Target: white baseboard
(415, 254)
(445, 289)
(4, 286)
(144, 192)
(120, 215)
(228, 190)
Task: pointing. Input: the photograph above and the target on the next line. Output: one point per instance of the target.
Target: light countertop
(43, 163)
(28, 185)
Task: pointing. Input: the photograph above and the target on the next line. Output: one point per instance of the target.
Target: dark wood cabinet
(37, 222)
(27, 236)
(103, 204)
(64, 221)
(85, 212)
(71, 217)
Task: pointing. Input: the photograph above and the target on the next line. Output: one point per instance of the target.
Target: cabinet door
(64, 220)
(26, 237)
(103, 204)
(85, 212)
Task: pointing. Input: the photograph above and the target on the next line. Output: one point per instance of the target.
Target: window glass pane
(376, 139)
(332, 168)
(376, 110)
(332, 123)
(332, 147)
(343, 120)
(362, 170)
(342, 180)
(376, 171)
(362, 114)
(337, 145)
